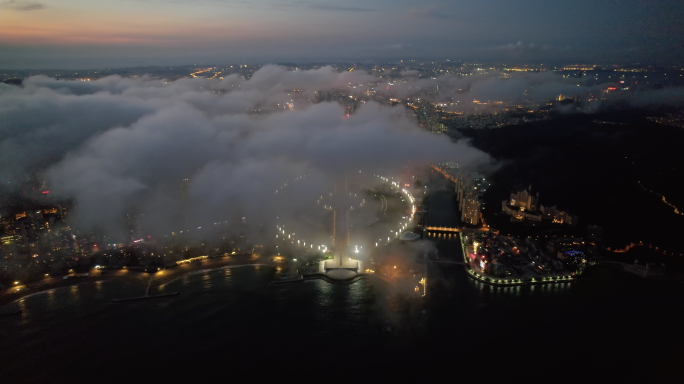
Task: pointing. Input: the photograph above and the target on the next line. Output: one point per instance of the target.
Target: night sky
(91, 33)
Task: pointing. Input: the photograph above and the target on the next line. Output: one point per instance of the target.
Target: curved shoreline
(503, 282)
(508, 283)
(81, 282)
(10, 298)
(201, 271)
(14, 297)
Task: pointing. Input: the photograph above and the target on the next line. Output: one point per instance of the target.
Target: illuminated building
(558, 216)
(469, 203)
(524, 199)
(470, 211)
(525, 206)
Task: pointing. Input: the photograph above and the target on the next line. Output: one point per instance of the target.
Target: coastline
(135, 278)
(9, 298)
(507, 282)
(205, 270)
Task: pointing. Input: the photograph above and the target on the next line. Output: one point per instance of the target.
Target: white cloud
(116, 143)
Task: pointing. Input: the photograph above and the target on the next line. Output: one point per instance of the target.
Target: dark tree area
(602, 172)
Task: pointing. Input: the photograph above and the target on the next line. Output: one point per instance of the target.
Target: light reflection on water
(322, 305)
(323, 292)
(207, 279)
(230, 307)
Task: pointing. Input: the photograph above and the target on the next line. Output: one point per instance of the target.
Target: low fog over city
(116, 144)
(316, 190)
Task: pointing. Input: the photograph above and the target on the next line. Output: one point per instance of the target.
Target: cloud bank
(116, 146)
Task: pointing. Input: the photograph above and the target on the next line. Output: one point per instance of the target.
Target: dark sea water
(233, 323)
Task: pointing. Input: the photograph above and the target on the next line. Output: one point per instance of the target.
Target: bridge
(443, 229)
(444, 173)
(451, 229)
